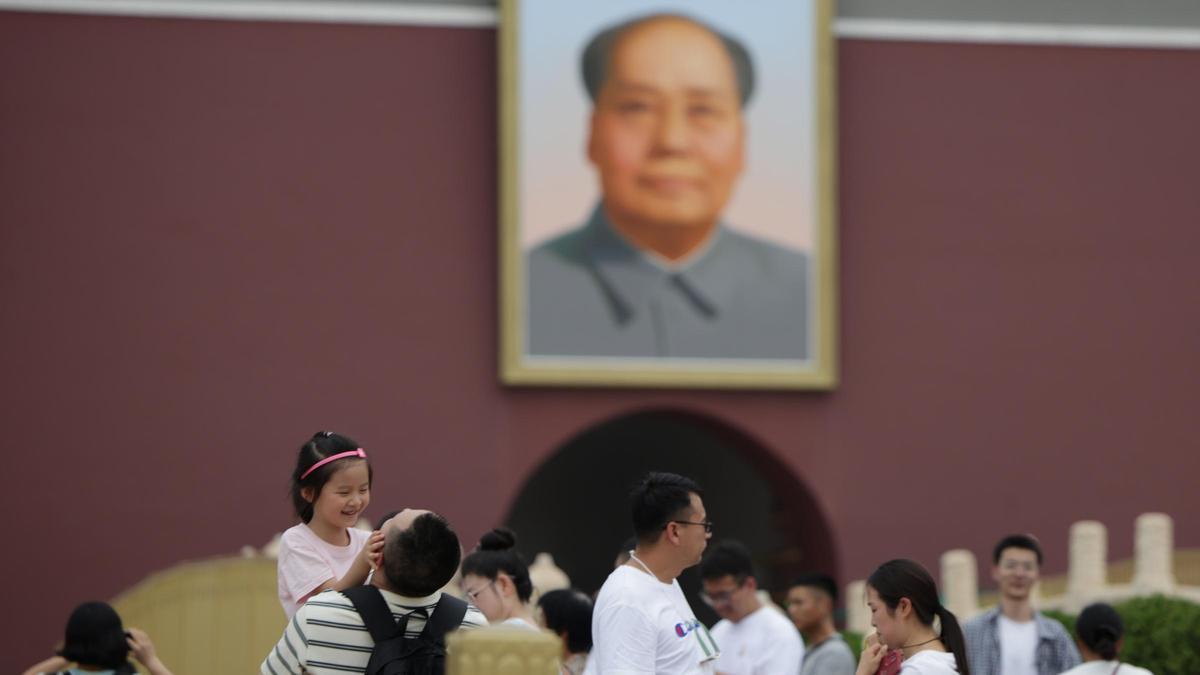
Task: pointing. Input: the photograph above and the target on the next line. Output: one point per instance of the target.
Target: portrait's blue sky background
(775, 199)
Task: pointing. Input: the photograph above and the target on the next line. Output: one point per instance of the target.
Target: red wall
(218, 238)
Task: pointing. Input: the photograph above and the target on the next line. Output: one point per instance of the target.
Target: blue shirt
(591, 293)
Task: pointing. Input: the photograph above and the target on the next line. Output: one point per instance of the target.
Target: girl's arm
(50, 665)
(357, 574)
(143, 651)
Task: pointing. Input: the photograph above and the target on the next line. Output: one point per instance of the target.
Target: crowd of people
(378, 601)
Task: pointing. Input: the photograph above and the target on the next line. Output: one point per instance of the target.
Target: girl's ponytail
(952, 637)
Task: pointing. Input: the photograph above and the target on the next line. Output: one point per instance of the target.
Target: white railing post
(960, 583)
(1153, 544)
(858, 617)
(1087, 573)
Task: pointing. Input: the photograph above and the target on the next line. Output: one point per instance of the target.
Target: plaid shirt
(1055, 650)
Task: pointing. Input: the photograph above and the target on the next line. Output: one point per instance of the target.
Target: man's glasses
(723, 597)
(708, 524)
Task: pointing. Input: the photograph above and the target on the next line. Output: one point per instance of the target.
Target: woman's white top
(929, 662)
(1106, 668)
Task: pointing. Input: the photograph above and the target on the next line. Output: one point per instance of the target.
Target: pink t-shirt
(306, 561)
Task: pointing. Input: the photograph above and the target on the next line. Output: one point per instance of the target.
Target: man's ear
(751, 583)
(671, 532)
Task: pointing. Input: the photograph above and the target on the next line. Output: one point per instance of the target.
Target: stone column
(960, 583)
(858, 617)
(1087, 574)
(1154, 549)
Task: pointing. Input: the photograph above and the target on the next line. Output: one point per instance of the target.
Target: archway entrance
(575, 505)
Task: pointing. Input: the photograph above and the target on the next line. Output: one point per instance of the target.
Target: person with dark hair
(330, 489)
(496, 579)
(911, 624)
(755, 639)
(810, 602)
(1100, 634)
(623, 554)
(329, 635)
(655, 271)
(1013, 638)
(642, 622)
(97, 644)
(567, 613)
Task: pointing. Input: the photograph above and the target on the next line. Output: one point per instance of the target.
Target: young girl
(496, 580)
(910, 621)
(331, 487)
(1101, 634)
(97, 644)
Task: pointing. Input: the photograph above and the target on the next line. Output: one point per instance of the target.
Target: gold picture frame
(522, 366)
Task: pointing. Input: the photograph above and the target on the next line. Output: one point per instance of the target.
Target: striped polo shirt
(327, 635)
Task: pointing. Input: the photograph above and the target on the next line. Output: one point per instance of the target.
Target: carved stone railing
(1087, 573)
(502, 650)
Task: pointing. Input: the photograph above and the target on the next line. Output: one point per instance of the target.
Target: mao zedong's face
(666, 132)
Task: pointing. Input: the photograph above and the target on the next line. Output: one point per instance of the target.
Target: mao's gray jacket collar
(630, 280)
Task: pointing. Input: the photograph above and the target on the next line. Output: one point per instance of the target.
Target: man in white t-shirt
(642, 624)
(1014, 638)
(755, 639)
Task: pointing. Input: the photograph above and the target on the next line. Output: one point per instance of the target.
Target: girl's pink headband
(341, 455)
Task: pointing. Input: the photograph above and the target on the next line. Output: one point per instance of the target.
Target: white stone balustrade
(960, 583)
(1155, 541)
(1087, 573)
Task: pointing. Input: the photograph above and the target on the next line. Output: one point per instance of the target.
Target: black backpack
(396, 654)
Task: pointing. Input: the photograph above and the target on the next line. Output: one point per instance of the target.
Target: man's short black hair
(1017, 541)
(598, 54)
(423, 558)
(821, 582)
(657, 499)
(727, 558)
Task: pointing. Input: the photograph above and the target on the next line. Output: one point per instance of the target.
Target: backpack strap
(447, 615)
(374, 610)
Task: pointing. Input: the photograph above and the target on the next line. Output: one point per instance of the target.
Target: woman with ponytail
(1100, 634)
(915, 634)
(496, 580)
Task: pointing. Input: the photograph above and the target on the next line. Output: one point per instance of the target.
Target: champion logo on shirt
(683, 628)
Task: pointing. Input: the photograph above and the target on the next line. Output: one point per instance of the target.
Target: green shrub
(854, 640)
(1067, 620)
(1162, 634)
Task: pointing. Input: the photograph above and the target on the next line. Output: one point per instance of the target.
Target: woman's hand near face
(872, 654)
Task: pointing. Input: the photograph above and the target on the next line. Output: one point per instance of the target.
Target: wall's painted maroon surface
(218, 238)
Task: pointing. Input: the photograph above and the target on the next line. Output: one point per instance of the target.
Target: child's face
(345, 496)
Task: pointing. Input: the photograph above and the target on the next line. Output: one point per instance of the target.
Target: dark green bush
(1162, 634)
(854, 640)
(1067, 620)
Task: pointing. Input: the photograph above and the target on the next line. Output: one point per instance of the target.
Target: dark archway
(575, 505)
